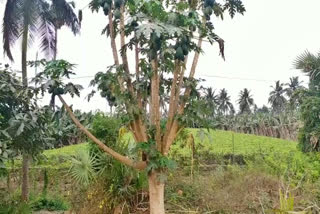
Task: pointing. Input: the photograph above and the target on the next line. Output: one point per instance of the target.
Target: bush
(20, 208)
(100, 176)
(51, 204)
(106, 128)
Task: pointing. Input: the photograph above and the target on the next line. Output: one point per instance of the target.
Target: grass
(67, 150)
(215, 142)
(220, 142)
(271, 154)
(212, 143)
(225, 188)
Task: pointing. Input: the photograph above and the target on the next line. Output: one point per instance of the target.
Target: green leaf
(20, 129)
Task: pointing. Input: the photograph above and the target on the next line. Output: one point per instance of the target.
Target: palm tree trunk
(55, 43)
(24, 56)
(25, 157)
(25, 178)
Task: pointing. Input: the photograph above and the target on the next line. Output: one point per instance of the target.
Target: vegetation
(309, 101)
(249, 163)
(163, 128)
(245, 101)
(165, 42)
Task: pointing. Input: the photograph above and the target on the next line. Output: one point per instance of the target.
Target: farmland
(245, 167)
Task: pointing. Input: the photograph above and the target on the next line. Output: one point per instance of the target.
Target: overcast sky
(260, 48)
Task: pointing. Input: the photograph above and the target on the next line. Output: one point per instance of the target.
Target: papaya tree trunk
(156, 194)
(25, 158)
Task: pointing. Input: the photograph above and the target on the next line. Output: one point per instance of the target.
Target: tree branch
(175, 125)
(124, 52)
(191, 76)
(172, 100)
(140, 165)
(113, 40)
(155, 103)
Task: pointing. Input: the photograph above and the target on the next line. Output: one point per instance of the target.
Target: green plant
(50, 204)
(82, 167)
(286, 200)
(20, 208)
(162, 34)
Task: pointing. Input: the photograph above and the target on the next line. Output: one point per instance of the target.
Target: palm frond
(82, 168)
(305, 61)
(30, 15)
(11, 26)
(46, 32)
(65, 15)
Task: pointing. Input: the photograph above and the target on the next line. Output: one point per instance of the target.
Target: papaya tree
(24, 126)
(162, 36)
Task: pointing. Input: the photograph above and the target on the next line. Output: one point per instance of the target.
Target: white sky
(260, 45)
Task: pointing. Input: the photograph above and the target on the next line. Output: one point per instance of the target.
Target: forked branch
(140, 165)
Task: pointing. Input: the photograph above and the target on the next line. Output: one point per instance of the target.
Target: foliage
(245, 101)
(277, 98)
(24, 126)
(82, 168)
(224, 103)
(310, 102)
(30, 132)
(50, 204)
(310, 133)
(106, 128)
(162, 34)
(31, 18)
(92, 166)
(21, 208)
(156, 161)
(64, 131)
(286, 202)
(308, 63)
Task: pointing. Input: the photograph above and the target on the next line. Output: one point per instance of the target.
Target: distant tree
(263, 109)
(293, 85)
(277, 97)
(245, 101)
(225, 106)
(212, 99)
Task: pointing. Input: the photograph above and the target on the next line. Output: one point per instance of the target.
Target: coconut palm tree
(212, 99)
(26, 19)
(225, 106)
(63, 14)
(293, 86)
(309, 64)
(245, 101)
(277, 97)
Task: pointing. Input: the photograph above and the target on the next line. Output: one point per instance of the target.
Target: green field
(215, 142)
(273, 154)
(226, 167)
(226, 142)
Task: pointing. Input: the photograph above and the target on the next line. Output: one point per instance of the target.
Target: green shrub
(16, 208)
(51, 204)
(106, 128)
(117, 182)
